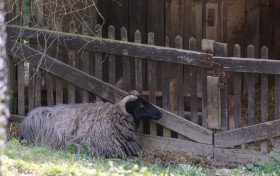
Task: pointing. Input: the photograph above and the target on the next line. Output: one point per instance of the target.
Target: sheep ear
(127, 99)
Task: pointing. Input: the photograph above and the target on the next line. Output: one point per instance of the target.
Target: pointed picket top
(264, 52)
(137, 36)
(111, 32)
(151, 38)
(124, 34)
(85, 28)
(72, 27)
(58, 24)
(178, 42)
(98, 30)
(166, 41)
(237, 50)
(192, 44)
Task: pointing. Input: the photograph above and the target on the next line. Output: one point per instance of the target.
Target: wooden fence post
(220, 49)
(58, 81)
(166, 90)
(98, 59)
(193, 85)
(126, 63)
(264, 98)
(72, 63)
(207, 46)
(237, 91)
(152, 83)
(251, 93)
(85, 60)
(112, 58)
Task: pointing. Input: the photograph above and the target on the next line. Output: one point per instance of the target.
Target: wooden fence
(217, 106)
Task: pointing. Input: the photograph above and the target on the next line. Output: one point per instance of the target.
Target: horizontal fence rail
(233, 64)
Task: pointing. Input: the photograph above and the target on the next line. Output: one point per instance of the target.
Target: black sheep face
(142, 109)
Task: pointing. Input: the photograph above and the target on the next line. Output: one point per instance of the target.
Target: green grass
(20, 159)
(34, 160)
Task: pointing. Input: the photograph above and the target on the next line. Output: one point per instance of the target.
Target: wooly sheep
(110, 129)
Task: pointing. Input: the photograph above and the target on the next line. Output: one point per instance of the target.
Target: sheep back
(103, 125)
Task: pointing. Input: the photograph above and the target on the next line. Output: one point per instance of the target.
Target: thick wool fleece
(108, 130)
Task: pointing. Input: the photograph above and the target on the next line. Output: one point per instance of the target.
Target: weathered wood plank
(214, 102)
(277, 109)
(126, 63)
(238, 156)
(20, 77)
(251, 90)
(31, 88)
(112, 58)
(85, 56)
(144, 51)
(177, 145)
(193, 85)
(180, 80)
(264, 98)
(106, 91)
(220, 49)
(58, 81)
(237, 91)
(72, 63)
(49, 86)
(138, 65)
(98, 59)
(247, 134)
(166, 90)
(152, 82)
(207, 46)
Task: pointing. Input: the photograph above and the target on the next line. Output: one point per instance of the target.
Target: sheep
(110, 129)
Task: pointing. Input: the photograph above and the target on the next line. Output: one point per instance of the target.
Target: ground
(21, 159)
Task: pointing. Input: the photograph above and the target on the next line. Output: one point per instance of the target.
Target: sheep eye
(141, 106)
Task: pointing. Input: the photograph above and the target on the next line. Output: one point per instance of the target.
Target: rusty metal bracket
(208, 62)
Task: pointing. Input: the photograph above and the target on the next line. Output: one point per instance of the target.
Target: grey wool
(108, 128)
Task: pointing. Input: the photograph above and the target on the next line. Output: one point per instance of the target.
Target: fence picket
(237, 91)
(207, 47)
(126, 63)
(264, 98)
(220, 49)
(85, 61)
(180, 80)
(193, 85)
(138, 73)
(98, 59)
(277, 109)
(152, 82)
(112, 58)
(166, 90)
(58, 81)
(251, 93)
(72, 62)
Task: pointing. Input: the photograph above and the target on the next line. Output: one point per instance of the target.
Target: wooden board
(106, 91)
(238, 156)
(213, 103)
(178, 145)
(247, 134)
(143, 51)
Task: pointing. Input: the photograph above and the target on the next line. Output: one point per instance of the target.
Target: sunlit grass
(21, 159)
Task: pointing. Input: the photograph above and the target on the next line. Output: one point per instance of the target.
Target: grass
(21, 159)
